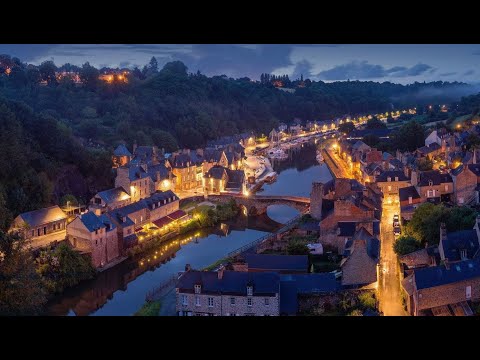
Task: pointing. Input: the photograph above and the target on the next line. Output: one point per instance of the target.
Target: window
(446, 187)
(96, 232)
(210, 302)
(410, 199)
(145, 182)
(430, 183)
(249, 290)
(249, 302)
(267, 301)
(96, 242)
(135, 220)
(468, 292)
(232, 301)
(197, 289)
(141, 218)
(140, 192)
(389, 178)
(431, 193)
(197, 301)
(184, 300)
(44, 230)
(396, 178)
(389, 188)
(129, 231)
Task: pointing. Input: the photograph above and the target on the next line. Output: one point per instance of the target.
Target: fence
(287, 226)
(159, 291)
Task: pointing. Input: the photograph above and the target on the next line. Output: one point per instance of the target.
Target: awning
(177, 215)
(162, 222)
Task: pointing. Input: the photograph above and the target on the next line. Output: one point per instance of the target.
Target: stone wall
(316, 199)
(465, 184)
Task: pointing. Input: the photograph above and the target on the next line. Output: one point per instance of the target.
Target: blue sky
(399, 63)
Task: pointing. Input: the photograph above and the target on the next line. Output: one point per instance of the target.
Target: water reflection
(121, 289)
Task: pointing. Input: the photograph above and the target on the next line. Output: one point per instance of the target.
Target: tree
(409, 137)
(89, 76)
(21, 292)
(33, 76)
(153, 65)
(297, 248)
(472, 141)
(371, 140)
(405, 245)
(47, 71)
(68, 200)
(346, 127)
(374, 123)
(425, 164)
(165, 140)
(356, 312)
(175, 68)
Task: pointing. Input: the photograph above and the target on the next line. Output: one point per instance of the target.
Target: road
(389, 283)
(339, 168)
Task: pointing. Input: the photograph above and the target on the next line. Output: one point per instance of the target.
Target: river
(121, 289)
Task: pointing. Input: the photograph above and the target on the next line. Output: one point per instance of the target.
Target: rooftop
(460, 240)
(43, 216)
(121, 150)
(392, 174)
(409, 191)
(435, 176)
(232, 282)
(113, 195)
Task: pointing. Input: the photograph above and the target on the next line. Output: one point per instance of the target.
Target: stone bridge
(258, 204)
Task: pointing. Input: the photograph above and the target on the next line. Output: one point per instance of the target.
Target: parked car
(397, 231)
(396, 220)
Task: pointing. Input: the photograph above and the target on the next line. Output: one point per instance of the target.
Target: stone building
(316, 200)
(187, 166)
(96, 236)
(219, 179)
(459, 245)
(141, 180)
(121, 156)
(434, 186)
(465, 184)
(410, 199)
(109, 200)
(391, 181)
(445, 288)
(360, 262)
(228, 293)
(41, 222)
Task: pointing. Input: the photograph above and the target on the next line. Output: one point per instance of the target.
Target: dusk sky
(396, 63)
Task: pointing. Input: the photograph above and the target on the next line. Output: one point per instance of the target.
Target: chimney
(188, 267)
(474, 161)
(157, 174)
(413, 178)
(220, 273)
(124, 219)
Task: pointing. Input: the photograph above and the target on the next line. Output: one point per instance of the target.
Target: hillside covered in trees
(57, 131)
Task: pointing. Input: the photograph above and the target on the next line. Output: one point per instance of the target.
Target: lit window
(210, 302)
(197, 289)
(267, 301)
(232, 301)
(249, 302)
(249, 290)
(197, 301)
(184, 300)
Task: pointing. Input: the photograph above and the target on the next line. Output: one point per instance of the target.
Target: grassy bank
(150, 308)
(217, 263)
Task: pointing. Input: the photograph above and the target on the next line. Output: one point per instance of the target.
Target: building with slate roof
(187, 166)
(410, 199)
(442, 286)
(434, 184)
(96, 236)
(121, 156)
(361, 257)
(41, 222)
(221, 179)
(465, 184)
(109, 199)
(391, 181)
(228, 293)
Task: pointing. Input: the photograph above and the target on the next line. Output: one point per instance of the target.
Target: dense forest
(56, 135)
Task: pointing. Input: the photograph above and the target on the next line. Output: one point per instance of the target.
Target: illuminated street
(389, 283)
(340, 167)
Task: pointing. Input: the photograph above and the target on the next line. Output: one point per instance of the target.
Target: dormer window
(249, 290)
(396, 178)
(430, 183)
(198, 288)
(389, 178)
(463, 254)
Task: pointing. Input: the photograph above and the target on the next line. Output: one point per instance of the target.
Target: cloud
(364, 70)
(125, 64)
(469, 72)
(449, 73)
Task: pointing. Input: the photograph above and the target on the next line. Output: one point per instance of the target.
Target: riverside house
(39, 223)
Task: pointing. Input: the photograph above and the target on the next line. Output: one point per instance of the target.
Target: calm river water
(121, 290)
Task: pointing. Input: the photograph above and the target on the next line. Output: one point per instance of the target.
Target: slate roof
(359, 144)
(347, 228)
(312, 283)
(396, 163)
(430, 148)
(232, 282)
(475, 168)
(386, 156)
(236, 178)
(121, 150)
(439, 275)
(181, 160)
(435, 176)
(107, 222)
(460, 240)
(406, 192)
(91, 221)
(160, 196)
(144, 152)
(309, 226)
(277, 262)
(43, 216)
(216, 172)
(370, 168)
(113, 195)
(288, 298)
(392, 174)
(212, 155)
